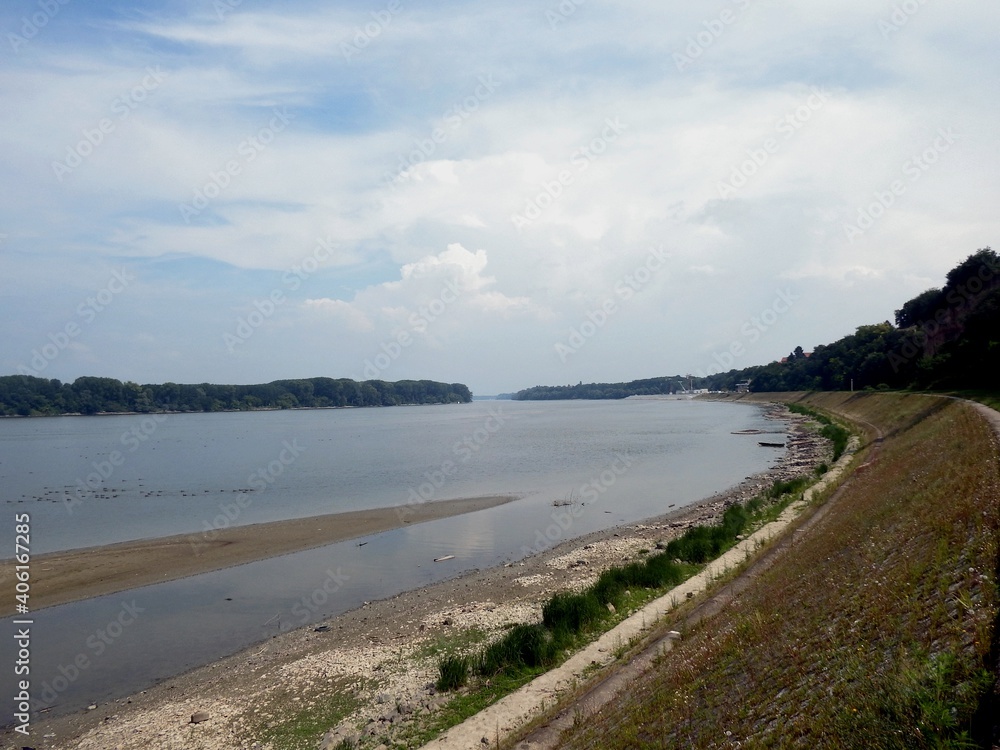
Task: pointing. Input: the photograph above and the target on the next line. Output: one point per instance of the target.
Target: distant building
(784, 360)
(743, 387)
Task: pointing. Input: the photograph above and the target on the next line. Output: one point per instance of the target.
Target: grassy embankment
(877, 630)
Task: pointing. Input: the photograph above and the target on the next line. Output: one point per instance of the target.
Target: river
(88, 481)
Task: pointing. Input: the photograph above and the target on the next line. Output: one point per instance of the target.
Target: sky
(502, 195)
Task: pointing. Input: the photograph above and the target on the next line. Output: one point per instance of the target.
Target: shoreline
(379, 652)
(79, 574)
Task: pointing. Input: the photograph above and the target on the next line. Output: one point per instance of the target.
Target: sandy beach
(381, 654)
(74, 575)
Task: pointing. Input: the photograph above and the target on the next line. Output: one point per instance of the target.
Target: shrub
(453, 672)
(838, 436)
(523, 646)
(608, 589)
(734, 520)
(572, 612)
(788, 487)
(664, 569)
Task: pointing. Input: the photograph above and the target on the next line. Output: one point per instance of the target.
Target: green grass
(832, 431)
(990, 398)
(304, 727)
(453, 672)
(461, 707)
(572, 612)
(566, 616)
(455, 641)
(525, 646)
(874, 631)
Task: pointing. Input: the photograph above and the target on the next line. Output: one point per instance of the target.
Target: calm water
(624, 460)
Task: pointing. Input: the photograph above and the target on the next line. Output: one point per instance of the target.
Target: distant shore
(80, 574)
(218, 411)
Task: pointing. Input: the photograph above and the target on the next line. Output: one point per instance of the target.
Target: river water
(87, 481)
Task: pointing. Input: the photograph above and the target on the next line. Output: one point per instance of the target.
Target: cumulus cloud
(453, 282)
(566, 148)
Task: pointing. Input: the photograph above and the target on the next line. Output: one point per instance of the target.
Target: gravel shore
(382, 655)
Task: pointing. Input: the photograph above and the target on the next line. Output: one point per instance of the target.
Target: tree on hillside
(920, 308)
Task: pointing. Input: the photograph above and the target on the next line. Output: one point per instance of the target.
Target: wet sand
(74, 575)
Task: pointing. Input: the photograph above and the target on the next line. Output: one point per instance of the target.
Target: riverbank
(80, 574)
(876, 627)
(373, 668)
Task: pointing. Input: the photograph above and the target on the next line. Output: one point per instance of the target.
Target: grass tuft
(453, 673)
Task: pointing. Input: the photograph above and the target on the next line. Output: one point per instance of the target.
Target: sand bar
(73, 575)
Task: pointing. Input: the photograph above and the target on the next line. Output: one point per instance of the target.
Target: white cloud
(354, 166)
(452, 282)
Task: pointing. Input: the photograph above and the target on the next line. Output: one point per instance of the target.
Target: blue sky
(498, 195)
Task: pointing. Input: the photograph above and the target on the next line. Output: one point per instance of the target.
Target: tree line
(945, 338)
(25, 395)
(649, 387)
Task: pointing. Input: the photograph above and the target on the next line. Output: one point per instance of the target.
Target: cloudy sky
(497, 194)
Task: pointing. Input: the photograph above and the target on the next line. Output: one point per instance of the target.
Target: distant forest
(24, 395)
(942, 339)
